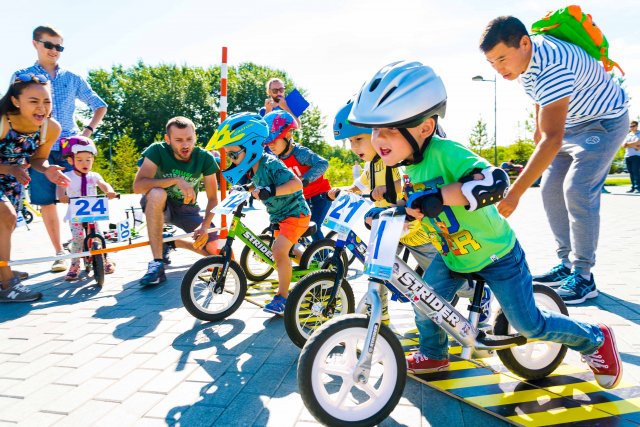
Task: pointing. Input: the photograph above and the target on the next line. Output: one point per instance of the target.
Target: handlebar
(56, 201)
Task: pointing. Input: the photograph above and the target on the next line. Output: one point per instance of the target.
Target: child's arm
(289, 187)
(333, 193)
(319, 165)
(106, 188)
(61, 194)
(476, 190)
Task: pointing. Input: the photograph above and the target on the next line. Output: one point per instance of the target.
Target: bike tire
(388, 371)
(303, 311)
(540, 360)
(97, 262)
(320, 252)
(248, 256)
(196, 278)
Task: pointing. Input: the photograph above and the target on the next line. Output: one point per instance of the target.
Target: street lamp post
(495, 114)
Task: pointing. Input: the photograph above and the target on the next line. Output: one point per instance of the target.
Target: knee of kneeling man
(156, 195)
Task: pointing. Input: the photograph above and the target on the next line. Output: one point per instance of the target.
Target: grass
(615, 181)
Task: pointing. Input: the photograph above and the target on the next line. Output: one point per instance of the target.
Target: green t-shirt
(272, 171)
(202, 163)
(468, 241)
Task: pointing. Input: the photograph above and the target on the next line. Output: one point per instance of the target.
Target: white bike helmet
(401, 95)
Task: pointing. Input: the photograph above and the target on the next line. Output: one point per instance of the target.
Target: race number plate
(231, 202)
(345, 211)
(89, 209)
(21, 222)
(124, 231)
(384, 239)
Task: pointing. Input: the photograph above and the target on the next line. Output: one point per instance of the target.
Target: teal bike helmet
(342, 129)
(246, 130)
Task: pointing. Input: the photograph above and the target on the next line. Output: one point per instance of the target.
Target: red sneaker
(605, 362)
(418, 363)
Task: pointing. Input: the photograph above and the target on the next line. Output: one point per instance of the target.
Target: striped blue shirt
(559, 69)
(66, 87)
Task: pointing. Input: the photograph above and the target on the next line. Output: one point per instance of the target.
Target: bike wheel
(97, 262)
(318, 255)
(537, 359)
(254, 267)
(325, 374)
(303, 311)
(333, 235)
(197, 286)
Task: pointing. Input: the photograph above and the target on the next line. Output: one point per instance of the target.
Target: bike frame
(426, 300)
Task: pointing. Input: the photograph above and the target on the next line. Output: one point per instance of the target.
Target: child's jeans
(510, 281)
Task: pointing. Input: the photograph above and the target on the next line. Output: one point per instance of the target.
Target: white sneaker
(59, 265)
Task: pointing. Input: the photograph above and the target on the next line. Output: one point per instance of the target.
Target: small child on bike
(304, 163)
(80, 152)
(473, 236)
(374, 180)
(243, 136)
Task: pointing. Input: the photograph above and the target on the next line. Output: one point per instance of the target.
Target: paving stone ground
(123, 355)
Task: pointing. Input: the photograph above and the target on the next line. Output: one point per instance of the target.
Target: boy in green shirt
(402, 104)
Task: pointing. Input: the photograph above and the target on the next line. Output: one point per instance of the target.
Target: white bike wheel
(325, 374)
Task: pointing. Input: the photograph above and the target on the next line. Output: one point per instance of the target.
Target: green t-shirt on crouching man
(468, 241)
(202, 163)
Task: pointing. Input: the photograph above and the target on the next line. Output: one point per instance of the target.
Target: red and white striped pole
(223, 117)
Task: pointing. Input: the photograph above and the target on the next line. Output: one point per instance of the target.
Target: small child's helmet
(247, 130)
(77, 144)
(401, 95)
(342, 129)
(279, 122)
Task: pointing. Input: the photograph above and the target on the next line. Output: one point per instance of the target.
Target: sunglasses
(276, 90)
(49, 45)
(30, 77)
(233, 155)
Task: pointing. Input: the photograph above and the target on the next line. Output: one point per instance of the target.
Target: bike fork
(363, 367)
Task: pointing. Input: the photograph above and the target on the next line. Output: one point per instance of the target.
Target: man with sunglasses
(275, 100)
(169, 178)
(66, 87)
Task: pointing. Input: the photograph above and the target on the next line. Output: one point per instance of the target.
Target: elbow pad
(487, 191)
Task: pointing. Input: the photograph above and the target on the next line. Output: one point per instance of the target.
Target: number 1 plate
(383, 242)
(231, 202)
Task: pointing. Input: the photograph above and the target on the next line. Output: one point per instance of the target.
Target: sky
(328, 47)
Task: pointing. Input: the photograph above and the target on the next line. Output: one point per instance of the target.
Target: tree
(121, 171)
(478, 140)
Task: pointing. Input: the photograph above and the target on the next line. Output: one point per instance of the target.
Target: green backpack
(570, 24)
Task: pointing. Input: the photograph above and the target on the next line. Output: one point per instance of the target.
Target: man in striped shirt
(581, 121)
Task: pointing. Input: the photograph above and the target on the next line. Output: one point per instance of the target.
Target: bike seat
(311, 230)
(467, 276)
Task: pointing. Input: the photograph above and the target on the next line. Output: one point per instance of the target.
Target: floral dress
(15, 149)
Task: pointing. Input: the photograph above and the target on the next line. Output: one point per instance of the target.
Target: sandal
(73, 273)
(109, 266)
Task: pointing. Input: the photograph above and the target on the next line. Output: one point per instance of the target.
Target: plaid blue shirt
(66, 87)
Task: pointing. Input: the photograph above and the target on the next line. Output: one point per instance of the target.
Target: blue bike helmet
(247, 130)
(342, 129)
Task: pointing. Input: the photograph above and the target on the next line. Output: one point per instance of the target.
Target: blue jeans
(42, 191)
(510, 281)
(572, 186)
(319, 206)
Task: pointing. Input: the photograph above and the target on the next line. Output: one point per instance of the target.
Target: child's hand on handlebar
(64, 199)
(415, 213)
(111, 195)
(379, 192)
(333, 193)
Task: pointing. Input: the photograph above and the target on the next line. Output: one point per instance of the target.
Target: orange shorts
(293, 228)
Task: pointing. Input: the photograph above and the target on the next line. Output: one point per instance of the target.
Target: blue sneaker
(485, 304)
(577, 289)
(276, 305)
(155, 274)
(554, 277)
